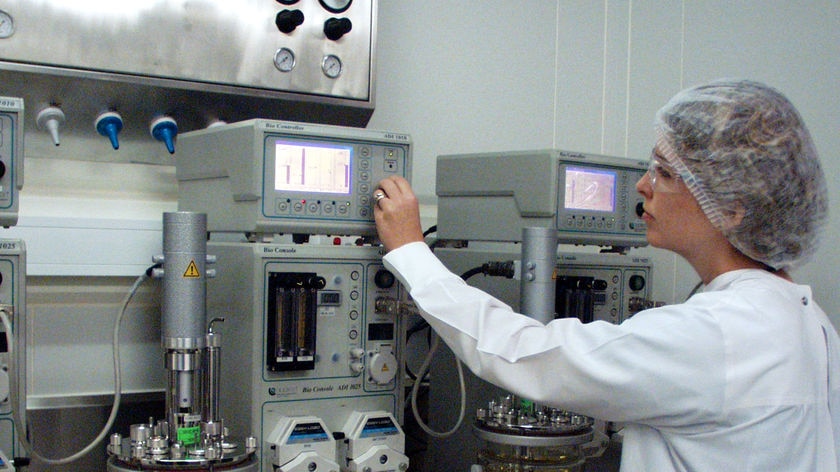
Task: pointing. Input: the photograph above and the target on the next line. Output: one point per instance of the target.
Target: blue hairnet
(747, 158)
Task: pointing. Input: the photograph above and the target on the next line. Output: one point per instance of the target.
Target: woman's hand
(397, 213)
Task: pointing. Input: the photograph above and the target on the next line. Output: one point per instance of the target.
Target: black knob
(636, 282)
(384, 279)
(335, 28)
(640, 209)
(317, 282)
(288, 20)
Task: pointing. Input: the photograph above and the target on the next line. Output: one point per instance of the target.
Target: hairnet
(746, 156)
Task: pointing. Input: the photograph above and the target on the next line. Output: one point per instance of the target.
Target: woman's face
(674, 219)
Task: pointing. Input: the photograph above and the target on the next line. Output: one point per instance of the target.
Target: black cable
(474, 271)
(493, 268)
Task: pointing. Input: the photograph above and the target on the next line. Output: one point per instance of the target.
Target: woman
(743, 376)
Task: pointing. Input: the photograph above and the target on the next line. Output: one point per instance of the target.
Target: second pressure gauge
(284, 60)
(7, 25)
(331, 65)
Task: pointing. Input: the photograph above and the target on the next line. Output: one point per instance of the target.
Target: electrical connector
(392, 306)
(499, 269)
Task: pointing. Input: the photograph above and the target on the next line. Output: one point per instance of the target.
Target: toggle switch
(165, 129)
(109, 124)
(51, 119)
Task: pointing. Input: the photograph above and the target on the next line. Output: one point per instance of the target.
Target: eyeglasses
(663, 178)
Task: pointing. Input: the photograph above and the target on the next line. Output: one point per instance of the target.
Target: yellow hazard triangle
(192, 271)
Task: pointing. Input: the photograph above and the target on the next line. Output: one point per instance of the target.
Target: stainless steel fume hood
(197, 61)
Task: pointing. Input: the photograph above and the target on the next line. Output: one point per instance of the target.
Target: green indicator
(527, 405)
(189, 436)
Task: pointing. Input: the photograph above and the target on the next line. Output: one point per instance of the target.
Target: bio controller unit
(264, 176)
(317, 372)
(587, 198)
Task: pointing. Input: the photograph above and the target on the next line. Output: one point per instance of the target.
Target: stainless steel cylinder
(184, 281)
(213, 376)
(537, 284)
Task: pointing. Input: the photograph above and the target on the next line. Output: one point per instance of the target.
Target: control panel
(302, 60)
(602, 287)
(13, 304)
(309, 338)
(11, 158)
(588, 286)
(264, 176)
(588, 198)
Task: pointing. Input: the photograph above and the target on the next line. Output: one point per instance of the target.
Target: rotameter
(264, 176)
(588, 198)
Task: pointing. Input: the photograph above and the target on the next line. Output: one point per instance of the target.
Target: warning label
(192, 271)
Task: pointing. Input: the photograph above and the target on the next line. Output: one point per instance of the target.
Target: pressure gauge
(331, 65)
(7, 25)
(284, 60)
(336, 6)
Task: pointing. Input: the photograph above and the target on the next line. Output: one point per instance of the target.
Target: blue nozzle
(165, 129)
(110, 124)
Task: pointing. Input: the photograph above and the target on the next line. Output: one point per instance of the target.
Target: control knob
(636, 282)
(317, 282)
(288, 20)
(384, 278)
(335, 28)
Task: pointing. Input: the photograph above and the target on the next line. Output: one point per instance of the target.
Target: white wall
(466, 76)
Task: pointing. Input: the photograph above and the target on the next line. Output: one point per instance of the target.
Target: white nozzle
(51, 119)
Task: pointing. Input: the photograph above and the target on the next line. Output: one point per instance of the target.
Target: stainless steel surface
(571, 439)
(237, 458)
(197, 61)
(184, 280)
(38, 402)
(539, 260)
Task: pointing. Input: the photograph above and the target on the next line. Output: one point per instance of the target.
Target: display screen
(380, 331)
(321, 168)
(590, 189)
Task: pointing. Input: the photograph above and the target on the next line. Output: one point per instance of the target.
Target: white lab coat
(742, 377)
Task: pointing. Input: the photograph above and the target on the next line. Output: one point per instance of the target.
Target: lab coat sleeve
(613, 372)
